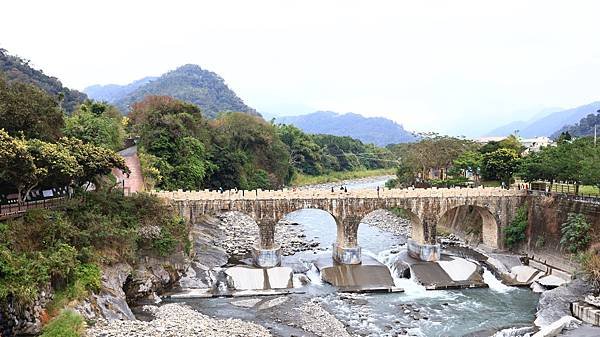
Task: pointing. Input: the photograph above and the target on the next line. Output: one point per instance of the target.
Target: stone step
(586, 312)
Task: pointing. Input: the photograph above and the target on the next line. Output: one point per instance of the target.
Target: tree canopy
(29, 110)
(29, 163)
(97, 123)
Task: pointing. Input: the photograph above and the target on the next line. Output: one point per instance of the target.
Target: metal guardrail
(13, 210)
(577, 197)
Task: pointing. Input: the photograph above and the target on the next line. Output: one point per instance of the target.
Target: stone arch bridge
(425, 207)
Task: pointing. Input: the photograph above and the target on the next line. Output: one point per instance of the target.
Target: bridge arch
(415, 225)
(476, 223)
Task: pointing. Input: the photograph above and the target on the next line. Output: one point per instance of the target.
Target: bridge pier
(347, 255)
(423, 251)
(266, 253)
(266, 258)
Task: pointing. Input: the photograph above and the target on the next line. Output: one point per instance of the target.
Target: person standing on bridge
(332, 189)
(345, 189)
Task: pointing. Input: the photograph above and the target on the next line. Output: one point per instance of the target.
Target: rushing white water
(315, 276)
(494, 283)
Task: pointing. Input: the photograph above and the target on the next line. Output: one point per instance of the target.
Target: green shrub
(515, 231)
(575, 233)
(173, 234)
(64, 248)
(67, 324)
(400, 212)
(590, 263)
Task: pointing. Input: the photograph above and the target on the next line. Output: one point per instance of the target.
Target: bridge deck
(327, 194)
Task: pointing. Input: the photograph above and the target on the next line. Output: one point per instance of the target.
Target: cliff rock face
(122, 285)
(153, 275)
(546, 214)
(19, 319)
(110, 303)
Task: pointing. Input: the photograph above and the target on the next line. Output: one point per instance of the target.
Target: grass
(491, 183)
(570, 188)
(302, 179)
(67, 324)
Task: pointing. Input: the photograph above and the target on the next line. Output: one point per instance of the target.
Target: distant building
(535, 144)
(530, 144)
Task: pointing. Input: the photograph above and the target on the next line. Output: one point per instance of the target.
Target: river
(416, 312)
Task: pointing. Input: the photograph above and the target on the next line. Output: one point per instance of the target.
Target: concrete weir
(368, 276)
(449, 272)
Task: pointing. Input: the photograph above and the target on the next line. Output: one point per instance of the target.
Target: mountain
(15, 68)
(188, 83)
(584, 128)
(377, 130)
(114, 92)
(511, 127)
(548, 124)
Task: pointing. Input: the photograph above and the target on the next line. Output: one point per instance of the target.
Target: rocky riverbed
(176, 320)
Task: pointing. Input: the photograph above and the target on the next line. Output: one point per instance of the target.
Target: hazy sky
(457, 67)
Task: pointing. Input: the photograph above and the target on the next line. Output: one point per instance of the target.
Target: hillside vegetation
(376, 130)
(16, 69)
(188, 83)
(584, 128)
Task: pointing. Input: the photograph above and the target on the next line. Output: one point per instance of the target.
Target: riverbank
(305, 180)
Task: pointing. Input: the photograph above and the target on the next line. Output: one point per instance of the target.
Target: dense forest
(585, 127)
(376, 130)
(188, 83)
(181, 149)
(16, 69)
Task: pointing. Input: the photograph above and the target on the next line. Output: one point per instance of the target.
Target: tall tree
(97, 123)
(28, 109)
(500, 164)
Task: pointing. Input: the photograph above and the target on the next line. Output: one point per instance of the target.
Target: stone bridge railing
(327, 194)
(425, 207)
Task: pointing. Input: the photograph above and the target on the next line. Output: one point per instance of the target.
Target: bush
(515, 231)
(574, 233)
(67, 324)
(591, 267)
(65, 248)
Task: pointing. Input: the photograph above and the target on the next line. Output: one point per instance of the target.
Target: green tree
(97, 123)
(500, 164)
(469, 161)
(95, 161)
(305, 153)
(26, 164)
(29, 110)
(171, 132)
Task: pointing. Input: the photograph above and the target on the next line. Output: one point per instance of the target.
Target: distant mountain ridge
(114, 92)
(15, 68)
(188, 83)
(549, 124)
(377, 130)
(584, 128)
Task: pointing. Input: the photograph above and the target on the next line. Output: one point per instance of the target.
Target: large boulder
(153, 275)
(110, 302)
(556, 303)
